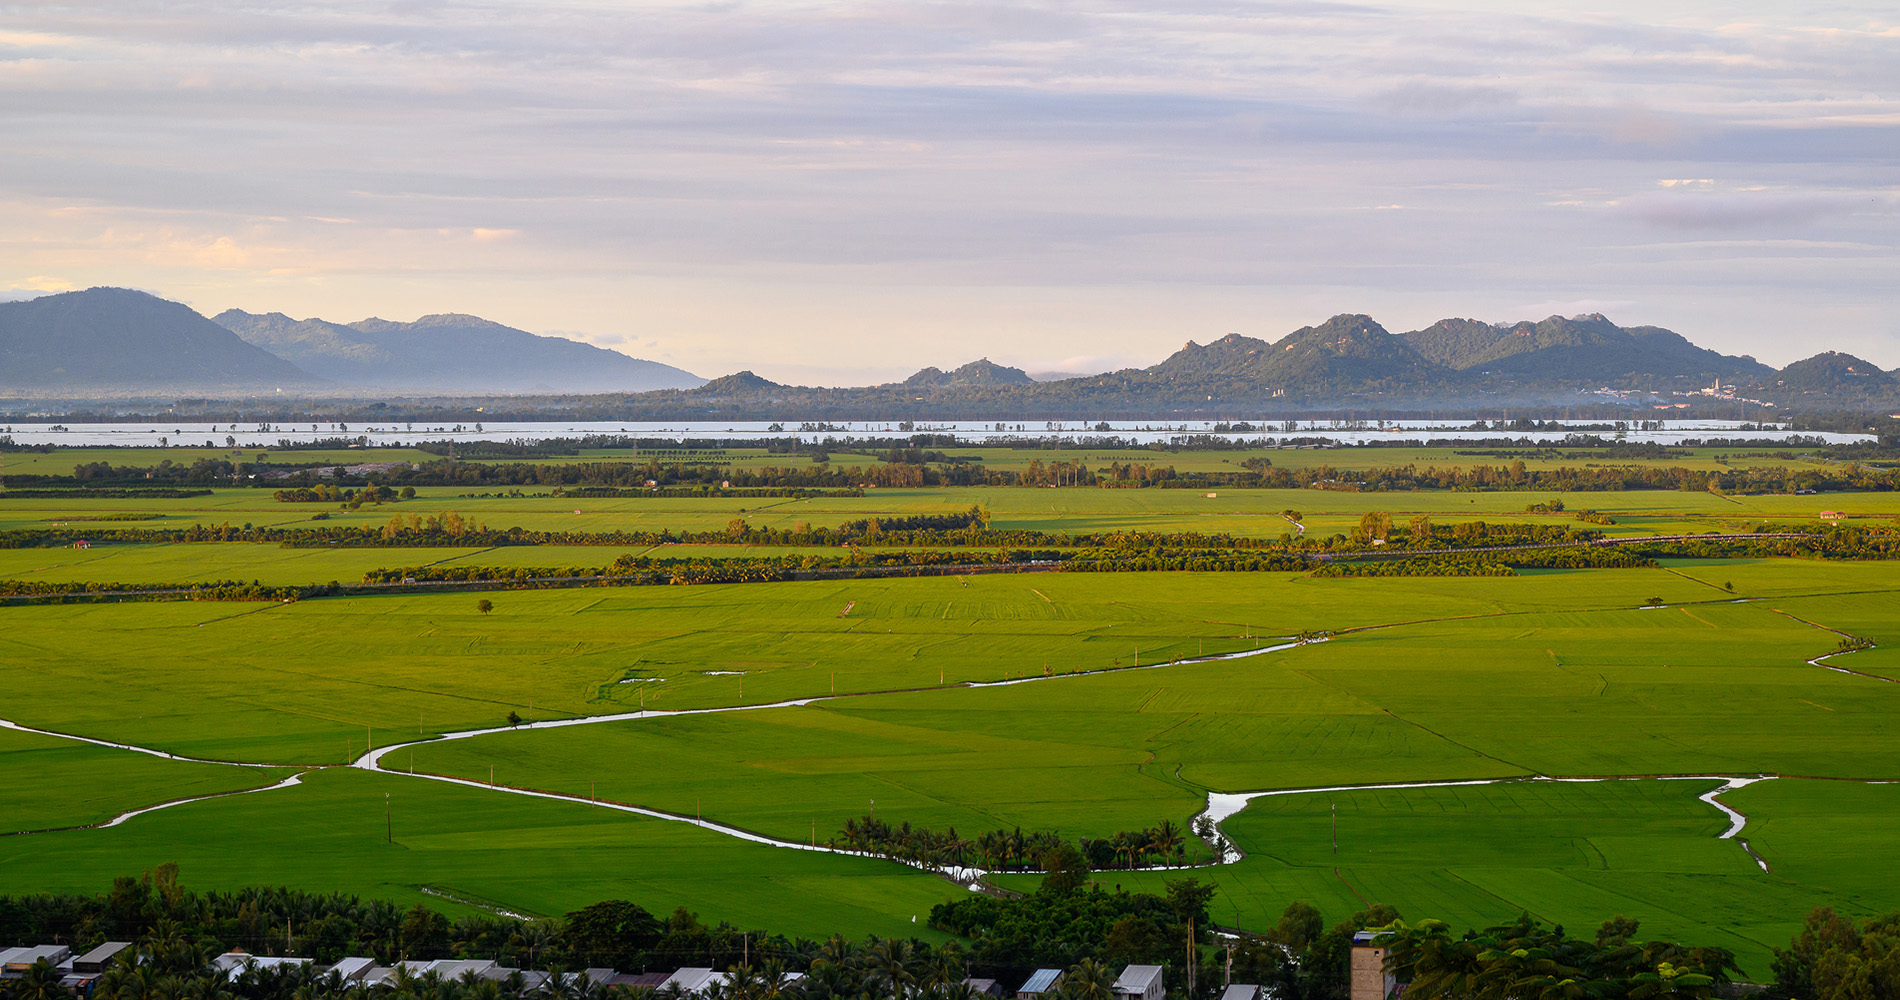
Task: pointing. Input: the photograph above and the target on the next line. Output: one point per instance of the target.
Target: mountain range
(108, 341)
(1350, 361)
(449, 352)
(117, 341)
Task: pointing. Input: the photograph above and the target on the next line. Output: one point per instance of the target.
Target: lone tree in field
(484, 605)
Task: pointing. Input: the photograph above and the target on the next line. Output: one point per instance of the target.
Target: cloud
(1443, 99)
(780, 181)
(1572, 307)
(38, 285)
(1735, 211)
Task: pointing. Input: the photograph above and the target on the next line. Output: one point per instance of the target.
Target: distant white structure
(1140, 982)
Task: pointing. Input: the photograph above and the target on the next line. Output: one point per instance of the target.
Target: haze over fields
(108, 342)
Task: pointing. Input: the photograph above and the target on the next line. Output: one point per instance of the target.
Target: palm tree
(1167, 839)
(41, 982)
(1089, 980)
(742, 983)
(773, 978)
(1670, 981)
(1425, 954)
(945, 967)
(888, 968)
(837, 952)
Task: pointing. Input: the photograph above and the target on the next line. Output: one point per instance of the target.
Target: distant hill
(116, 340)
(1344, 354)
(981, 372)
(450, 352)
(1833, 373)
(737, 384)
(1577, 350)
(109, 341)
(1348, 362)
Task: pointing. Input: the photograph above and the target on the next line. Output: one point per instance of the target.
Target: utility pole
(1335, 828)
(1190, 958)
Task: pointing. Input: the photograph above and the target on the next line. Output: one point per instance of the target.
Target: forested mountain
(116, 340)
(1833, 374)
(1350, 361)
(1577, 350)
(450, 352)
(1346, 354)
(981, 372)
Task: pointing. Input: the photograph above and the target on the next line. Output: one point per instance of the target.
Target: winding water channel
(1220, 805)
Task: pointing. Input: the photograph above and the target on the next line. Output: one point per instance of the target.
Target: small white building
(1140, 982)
(694, 981)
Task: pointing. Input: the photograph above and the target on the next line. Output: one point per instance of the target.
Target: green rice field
(903, 707)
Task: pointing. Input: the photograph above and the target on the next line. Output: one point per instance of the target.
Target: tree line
(1255, 473)
(1010, 849)
(1070, 922)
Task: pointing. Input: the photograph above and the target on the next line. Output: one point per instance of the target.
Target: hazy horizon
(843, 193)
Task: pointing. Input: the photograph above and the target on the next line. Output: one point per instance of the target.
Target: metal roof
(23, 957)
(92, 960)
(1137, 978)
(1042, 982)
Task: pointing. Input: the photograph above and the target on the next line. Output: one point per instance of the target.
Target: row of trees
(1068, 922)
(1527, 960)
(642, 570)
(1006, 849)
(1511, 476)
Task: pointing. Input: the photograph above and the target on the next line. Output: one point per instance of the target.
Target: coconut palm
(1089, 980)
(1166, 839)
(887, 966)
(40, 982)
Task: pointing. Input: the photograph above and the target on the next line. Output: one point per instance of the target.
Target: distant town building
(1140, 982)
(95, 960)
(1044, 981)
(1370, 981)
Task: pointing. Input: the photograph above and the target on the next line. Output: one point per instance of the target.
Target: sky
(844, 192)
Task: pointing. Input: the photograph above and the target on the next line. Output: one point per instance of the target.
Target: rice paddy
(1550, 674)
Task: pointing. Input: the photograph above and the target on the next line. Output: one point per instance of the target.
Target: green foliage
(1832, 958)
(1527, 959)
(1062, 928)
